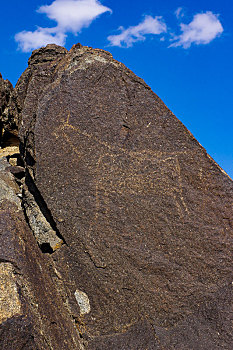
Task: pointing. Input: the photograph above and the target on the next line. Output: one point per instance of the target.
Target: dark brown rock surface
(6, 89)
(142, 215)
(32, 313)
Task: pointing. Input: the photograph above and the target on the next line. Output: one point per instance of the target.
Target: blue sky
(182, 48)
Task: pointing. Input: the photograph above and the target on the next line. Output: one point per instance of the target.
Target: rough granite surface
(143, 214)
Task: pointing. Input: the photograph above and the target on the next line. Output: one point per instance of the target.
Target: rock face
(134, 218)
(5, 92)
(32, 313)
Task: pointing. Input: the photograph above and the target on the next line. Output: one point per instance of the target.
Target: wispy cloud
(179, 12)
(204, 28)
(150, 25)
(70, 15)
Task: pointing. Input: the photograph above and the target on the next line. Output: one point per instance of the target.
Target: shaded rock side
(145, 213)
(32, 311)
(6, 89)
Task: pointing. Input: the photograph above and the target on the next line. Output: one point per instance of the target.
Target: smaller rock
(45, 235)
(83, 302)
(17, 171)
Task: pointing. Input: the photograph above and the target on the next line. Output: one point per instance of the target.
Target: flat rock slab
(145, 213)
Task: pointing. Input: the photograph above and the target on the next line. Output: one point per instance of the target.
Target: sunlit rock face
(132, 217)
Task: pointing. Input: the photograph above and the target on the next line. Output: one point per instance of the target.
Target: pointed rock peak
(6, 89)
(5, 83)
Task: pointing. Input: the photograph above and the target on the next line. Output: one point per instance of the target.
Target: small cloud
(71, 16)
(127, 37)
(179, 12)
(204, 28)
(28, 41)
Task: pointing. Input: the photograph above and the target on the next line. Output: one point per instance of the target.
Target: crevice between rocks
(39, 217)
(9, 148)
(37, 214)
(41, 202)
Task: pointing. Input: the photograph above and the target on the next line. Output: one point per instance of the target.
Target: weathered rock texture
(6, 89)
(136, 216)
(32, 310)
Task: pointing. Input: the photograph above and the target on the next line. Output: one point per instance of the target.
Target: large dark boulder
(129, 209)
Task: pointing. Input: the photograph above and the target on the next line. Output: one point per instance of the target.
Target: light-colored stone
(41, 228)
(10, 304)
(9, 151)
(83, 302)
(8, 187)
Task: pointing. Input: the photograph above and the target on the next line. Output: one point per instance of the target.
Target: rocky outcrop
(32, 310)
(6, 89)
(133, 217)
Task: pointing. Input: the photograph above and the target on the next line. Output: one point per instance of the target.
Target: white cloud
(204, 28)
(179, 12)
(150, 25)
(73, 15)
(29, 41)
(70, 15)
